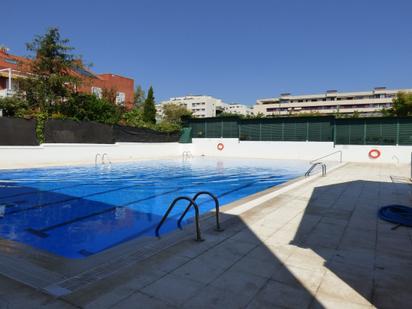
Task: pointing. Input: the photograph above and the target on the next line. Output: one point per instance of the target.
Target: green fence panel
(272, 131)
(249, 131)
(342, 133)
(405, 131)
(230, 129)
(380, 131)
(214, 128)
(355, 131)
(198, 129)
(295, 130)
(186, 136)
(320, 130)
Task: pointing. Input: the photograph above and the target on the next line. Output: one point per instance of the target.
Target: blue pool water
(79, 211)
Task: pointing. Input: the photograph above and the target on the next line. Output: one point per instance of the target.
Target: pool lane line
(60, 188)
(73, 198)
(42, 232)
(38, 191)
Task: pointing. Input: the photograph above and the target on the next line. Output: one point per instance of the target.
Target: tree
(139, 97)
(109, 94)
(149, 109)
(13, 106)
(51, 80)
(87, 107)
(173, 113)
(402, 105)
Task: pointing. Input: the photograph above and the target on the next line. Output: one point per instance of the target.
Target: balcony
(6, 93)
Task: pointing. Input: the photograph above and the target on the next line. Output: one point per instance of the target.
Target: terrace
(317, 245)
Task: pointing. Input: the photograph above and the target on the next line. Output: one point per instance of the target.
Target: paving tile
(211, 297)
(240, 283)
(276, 294)
(335, 286)
(308, 279)
(139, 300)
(326, 301)
(260, 268)
(174, 290)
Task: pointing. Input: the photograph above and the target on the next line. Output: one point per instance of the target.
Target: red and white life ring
(220, 146)
(374, 153)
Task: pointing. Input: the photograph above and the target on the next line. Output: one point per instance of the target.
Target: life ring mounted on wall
(220, 146)
(374, 153)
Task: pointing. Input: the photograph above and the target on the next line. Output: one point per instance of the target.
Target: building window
(97, 92)
(120, 98)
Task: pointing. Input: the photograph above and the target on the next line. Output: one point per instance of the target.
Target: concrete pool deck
(319, 245)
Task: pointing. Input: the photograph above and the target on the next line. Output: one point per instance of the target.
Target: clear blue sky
(232, 49)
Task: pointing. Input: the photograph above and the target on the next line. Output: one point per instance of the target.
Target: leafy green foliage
(13, 106)
(134, 118)
(139, 97)
(402, 105)
(149, 109)
(40, 124)
(51, 81)
(173, 113)
(90, 108)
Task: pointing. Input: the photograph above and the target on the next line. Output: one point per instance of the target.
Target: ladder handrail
(323, 165)
(108, 159)
(335, 152)
(95, 158)
(218, 228)
(192, 203)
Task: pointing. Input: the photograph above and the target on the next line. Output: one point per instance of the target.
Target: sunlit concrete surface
(319, 245)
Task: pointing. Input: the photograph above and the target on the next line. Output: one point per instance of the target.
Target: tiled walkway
(316, 246)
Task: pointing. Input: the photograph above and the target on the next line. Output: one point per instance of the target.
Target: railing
(218, 228)
(105, 155)
(328, 155)
(192, 202)
(186, 155)
(95, 158)
(102, 159)
(172, 205)
(323, 165)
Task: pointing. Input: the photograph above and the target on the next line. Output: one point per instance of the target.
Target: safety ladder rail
(217, 208)
(323, 165)
(328, 155)
(172, 205)
(105, 155)
(186, 155)
(95, 158)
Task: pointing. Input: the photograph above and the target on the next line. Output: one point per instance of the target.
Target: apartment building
(240, 109)
(13, 67)
(203, 106)
(330, 102)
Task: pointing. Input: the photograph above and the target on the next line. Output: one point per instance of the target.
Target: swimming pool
(78, 211)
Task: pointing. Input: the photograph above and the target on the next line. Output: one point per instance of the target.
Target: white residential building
(330, 102)
(203, 106)
(200, 105)
(240, 109)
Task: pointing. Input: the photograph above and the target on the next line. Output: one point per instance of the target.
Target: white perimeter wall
(66, 154)
(60, 154)
(297, 150)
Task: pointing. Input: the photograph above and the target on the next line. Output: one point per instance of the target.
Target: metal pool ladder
(102, 159)
(186, 155)
(316, 162)
(192, 202)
